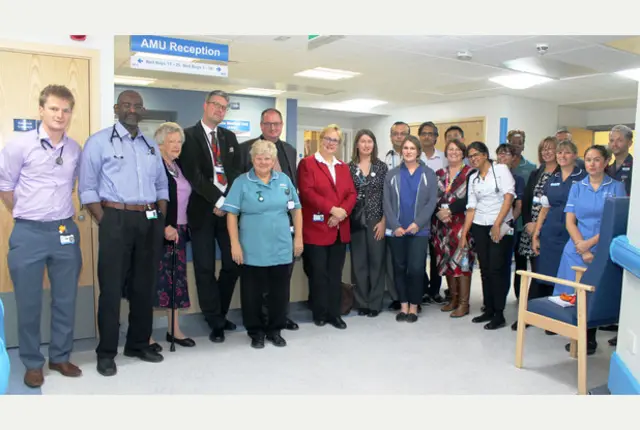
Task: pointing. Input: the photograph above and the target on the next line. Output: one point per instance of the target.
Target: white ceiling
(416, 70)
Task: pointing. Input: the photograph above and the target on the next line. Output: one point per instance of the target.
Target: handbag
(346, 298)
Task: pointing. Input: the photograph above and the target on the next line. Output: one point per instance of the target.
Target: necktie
(217, 162)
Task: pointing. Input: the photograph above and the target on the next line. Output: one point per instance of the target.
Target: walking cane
(174, 264)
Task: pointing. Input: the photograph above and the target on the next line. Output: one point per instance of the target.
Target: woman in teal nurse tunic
(584, 214)
(262, 199)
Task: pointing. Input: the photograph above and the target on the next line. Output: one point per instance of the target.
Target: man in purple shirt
(38, 170)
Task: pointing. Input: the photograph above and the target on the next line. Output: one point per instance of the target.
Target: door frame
(93, 56)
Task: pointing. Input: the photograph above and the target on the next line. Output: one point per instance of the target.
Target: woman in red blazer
(328, 196)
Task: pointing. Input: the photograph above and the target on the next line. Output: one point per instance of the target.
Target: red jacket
(318, 194)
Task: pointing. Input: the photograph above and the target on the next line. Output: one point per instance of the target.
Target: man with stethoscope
(124, 185)
(38, 171)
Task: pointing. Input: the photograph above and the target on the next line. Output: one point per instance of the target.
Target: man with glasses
(124, 185)
(399, 130)
(271, 126)
(211, 161)
(435, 160)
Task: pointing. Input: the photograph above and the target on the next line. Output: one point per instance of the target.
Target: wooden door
(22, 76)
(583, 139)
(474, 129)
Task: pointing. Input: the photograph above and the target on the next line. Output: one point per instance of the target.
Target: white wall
(102, 43)
(629, 326)
(322, 119)
(611, 117)
(572, 117)
(537, 118)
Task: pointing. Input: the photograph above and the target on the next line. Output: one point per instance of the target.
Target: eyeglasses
(272, 124)
(474, 155)
(218, 105)
(329, 140)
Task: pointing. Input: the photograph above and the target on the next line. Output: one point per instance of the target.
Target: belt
(126, 207)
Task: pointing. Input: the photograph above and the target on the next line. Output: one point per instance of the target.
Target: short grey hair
(625, 131)
(218, 93)
(263, 147)
(166, 129)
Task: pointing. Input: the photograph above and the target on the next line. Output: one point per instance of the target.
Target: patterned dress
(446, 236)
(162, 297)
(538, 191)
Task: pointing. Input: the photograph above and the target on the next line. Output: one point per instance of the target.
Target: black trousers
(214, 295)
(433, 281)
(409, 260)
(255, 283)
(325, 264)
(129, 253)
(521, 264)
(495, 270)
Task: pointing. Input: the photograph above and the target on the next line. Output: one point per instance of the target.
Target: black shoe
(401, 317)
(229, 326)
(411, 318)
(485, 317)
(319, 323)
(291, 325)
(613, 327)
(437, 299)
(591, 347)
(107, 366)
(550, 333)
(338, 323)
(146, 354)
(186, 342)
(257, 341)
(514, 326)
(373, 314)
(447, 294)
(495, 323)
(483, 308)
(362, 312)
(216, 335)
(276, 340)
(427, 300)
(394, 306)
(614, 341)
(155, 347)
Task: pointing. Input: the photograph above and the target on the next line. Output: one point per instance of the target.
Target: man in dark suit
(211, 161)
(271, 126)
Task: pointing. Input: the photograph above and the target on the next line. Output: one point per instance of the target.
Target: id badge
(444, 206)
(291, 205)
(152, 214)
(219, 169)
(388, 232)
(318, 218)
(68, 239)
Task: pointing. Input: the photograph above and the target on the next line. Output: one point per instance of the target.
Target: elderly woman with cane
(172, 289)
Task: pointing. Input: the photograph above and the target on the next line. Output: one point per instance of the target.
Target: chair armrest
(552, 279)
(579, 269)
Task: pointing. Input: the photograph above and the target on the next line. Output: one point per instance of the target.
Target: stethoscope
(477, 178)
(114, 133)
(59, 160)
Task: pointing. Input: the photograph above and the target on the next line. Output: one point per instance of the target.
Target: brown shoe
(67, 369)
(453, 289)
(33, 378)
(464, 291)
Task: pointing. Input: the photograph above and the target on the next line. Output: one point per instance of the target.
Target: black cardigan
(527, 200)
(171, 218)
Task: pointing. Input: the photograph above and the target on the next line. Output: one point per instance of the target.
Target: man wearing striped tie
(210, 161)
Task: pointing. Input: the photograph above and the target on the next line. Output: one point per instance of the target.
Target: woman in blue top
(409, 198)
(550, 233)
(263, 198)
(584, 214)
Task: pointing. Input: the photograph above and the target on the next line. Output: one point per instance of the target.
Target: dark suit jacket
(286, 157)
(197, 167)
(527, 200)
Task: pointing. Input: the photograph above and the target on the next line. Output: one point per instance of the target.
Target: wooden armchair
(598, 290)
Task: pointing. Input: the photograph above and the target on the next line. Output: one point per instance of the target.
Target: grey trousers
(391, 285)
(32, 246)
(368, 268)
